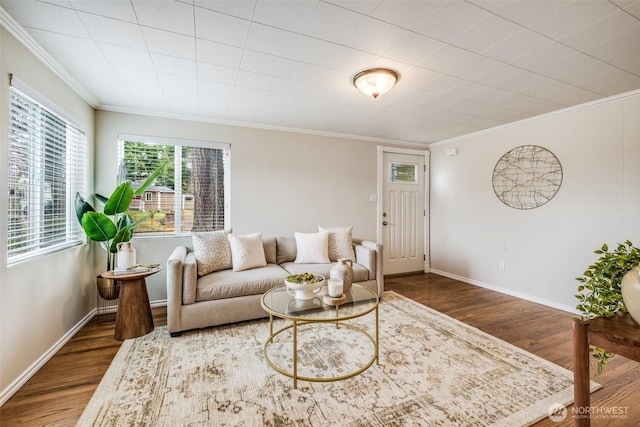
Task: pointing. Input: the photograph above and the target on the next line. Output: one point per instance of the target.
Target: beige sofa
(228, 296)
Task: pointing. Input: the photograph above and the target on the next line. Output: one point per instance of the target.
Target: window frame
(181, 142)
(73, 159)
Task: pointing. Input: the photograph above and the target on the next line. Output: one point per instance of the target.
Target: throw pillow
(269, 244)
(247, 251)
(212, 251)
(340, 242)
(312, 247)
(285, 249)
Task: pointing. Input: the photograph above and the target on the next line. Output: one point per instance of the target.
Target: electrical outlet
(502, 266)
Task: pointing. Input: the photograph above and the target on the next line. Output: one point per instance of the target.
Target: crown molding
(17, 31)
(260, 126)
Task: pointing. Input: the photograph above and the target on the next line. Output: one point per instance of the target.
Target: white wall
(281, 182)
(546, 248)
(41, 300)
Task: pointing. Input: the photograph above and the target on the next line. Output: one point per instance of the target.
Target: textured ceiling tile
(290, 15)
(410, 15)
(218, 53)
(271, 40)
(63, 44)
(176, 66)
(575, 15)
(413, 48)
(607, 28)
(116, 9)
(169, 16)
(120, 55)
(261, 63)
(113, 31)
(486, 34)
(48, 17)
(516, 46)
(376, 37)
(221, 28)
(216, 73)
(451, 20)
(333, 23)
(167, 43)
(241, 9)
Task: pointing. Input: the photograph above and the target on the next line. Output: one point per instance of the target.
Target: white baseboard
(35, 366)
(158, 303)
(506, 291)
(30, 372)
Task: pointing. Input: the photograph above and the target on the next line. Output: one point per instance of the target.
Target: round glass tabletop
(281, 302)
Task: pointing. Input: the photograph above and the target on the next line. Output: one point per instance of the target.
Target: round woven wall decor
(527, 177)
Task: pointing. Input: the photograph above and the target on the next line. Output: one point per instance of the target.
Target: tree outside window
(198, 203)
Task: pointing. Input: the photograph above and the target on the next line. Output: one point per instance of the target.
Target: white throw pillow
(312, 248)
(212, 251)
(340, 242)
(247, 251)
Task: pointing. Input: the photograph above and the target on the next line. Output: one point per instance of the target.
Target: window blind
(46, 167)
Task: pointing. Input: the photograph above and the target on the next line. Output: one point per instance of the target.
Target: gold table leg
(295, 354)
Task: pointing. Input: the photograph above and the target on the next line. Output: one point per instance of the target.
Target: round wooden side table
(134, 317)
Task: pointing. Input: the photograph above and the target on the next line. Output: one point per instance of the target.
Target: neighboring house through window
(192, 194)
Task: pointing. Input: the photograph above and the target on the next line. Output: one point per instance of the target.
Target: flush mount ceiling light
(376, 81)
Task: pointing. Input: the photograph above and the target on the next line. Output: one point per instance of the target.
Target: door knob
(385, 223)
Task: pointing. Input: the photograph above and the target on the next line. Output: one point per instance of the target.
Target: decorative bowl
(305, 286)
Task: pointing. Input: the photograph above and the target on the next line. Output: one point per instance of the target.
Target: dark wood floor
(58, 393)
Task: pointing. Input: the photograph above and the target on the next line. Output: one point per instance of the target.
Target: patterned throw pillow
(340, 242)
(212, 251)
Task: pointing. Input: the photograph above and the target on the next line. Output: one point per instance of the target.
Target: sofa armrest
(369, 254)
(174, 287)
(189, 278)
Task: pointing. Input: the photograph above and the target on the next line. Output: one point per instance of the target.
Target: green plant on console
(113, 225)
(600, 287)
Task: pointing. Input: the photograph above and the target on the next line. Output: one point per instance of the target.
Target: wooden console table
(134, 317)
(619, 334)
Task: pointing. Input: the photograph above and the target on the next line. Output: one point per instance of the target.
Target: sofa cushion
(269, 245)
(212, 250)
(228, 283)
(340, 242)
(360, 273)
(247, 252)
(285, 249)
(312, 247)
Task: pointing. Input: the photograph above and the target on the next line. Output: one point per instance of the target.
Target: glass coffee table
(307, 318)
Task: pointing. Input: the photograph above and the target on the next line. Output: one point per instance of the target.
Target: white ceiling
(465, 65)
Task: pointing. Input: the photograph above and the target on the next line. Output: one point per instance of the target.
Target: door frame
(415, 152)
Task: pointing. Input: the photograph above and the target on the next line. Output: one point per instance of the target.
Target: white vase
(126, 255)
(631, 292)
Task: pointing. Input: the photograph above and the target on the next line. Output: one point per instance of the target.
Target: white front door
(403, 212)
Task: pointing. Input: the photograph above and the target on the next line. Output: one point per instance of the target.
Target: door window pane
(404, 173)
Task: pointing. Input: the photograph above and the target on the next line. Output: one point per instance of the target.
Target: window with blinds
(192, 194)
(46, 164)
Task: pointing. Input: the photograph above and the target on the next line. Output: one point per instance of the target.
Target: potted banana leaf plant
(113, 225)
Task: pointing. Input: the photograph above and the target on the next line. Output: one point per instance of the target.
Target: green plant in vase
(600, 293)
(113, 225)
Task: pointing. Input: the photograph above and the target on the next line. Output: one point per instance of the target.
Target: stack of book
(136, 268)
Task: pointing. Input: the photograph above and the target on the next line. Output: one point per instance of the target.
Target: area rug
(433, 371)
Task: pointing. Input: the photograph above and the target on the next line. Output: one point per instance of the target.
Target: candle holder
(329, 300)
